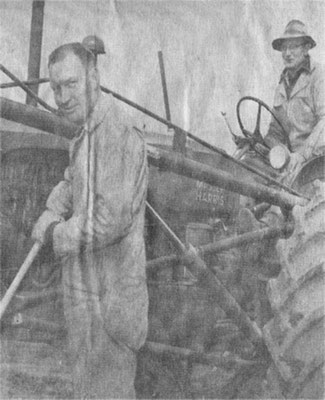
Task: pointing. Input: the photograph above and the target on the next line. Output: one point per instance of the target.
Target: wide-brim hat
(294, 30)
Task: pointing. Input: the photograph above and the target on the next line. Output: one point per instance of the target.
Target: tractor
(233, 313)
(223, 311)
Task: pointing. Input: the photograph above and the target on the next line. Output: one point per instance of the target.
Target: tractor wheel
(295, 334)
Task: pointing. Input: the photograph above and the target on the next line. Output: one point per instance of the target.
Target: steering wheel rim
(257, 134)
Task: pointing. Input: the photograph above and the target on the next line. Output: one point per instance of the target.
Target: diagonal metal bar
(215, 289)
(190, 135)
(184, 166)
(31, 116)
(36, 118)
(200, 141)
(30, 82)
(170, 233)
(27, 89)
(40, 119)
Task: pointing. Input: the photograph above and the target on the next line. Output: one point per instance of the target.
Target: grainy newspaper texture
(162, 199)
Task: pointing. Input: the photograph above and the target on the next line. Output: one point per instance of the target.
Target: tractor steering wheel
(256, 136)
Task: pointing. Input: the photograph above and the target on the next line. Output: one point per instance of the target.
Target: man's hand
(293, 168)
(308, 151)
(192, 251)
(44, 227)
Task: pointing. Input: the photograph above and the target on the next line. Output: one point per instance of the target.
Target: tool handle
(19, 277)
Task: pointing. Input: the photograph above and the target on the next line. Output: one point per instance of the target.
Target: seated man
(299, 104)
(299, 101)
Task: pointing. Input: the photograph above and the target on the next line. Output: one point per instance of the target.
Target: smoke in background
(214, 52)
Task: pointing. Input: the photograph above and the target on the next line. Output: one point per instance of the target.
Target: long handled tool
(19, 277)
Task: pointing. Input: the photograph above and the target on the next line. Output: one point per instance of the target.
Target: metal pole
(215, 289)
(179, 131)
(246, 238)
(169, 161)
(180, 246)
(209, 146)
(27, 83)
(223, 245)
(200, 357)
(181, 165)
(31, 116)
(27, 89)
(35, 47)
(164, 84)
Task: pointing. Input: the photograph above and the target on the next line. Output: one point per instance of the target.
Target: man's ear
(307, 47)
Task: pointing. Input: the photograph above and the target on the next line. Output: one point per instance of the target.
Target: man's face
(294, 52)
(75, 89)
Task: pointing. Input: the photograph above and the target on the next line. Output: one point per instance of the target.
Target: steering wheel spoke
(258, 121)
(256, 136)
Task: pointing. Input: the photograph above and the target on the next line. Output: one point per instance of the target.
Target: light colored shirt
(302, 113)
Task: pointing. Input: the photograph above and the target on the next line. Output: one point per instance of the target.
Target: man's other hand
(295, 163)
(44, 227)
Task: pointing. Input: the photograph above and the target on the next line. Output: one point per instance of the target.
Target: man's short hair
(86, 57)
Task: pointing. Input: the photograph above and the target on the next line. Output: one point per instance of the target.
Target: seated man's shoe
(273, 218)
(246, 222)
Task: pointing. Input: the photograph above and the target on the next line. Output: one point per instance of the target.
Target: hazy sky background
(215, 52)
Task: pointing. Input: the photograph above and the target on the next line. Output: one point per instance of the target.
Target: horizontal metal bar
(165, 261)
(246, 238)
(222, 245)
(30, 82)
(200, 357)
(27, 90)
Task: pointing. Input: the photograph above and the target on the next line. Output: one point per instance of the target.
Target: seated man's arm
(274, 135)
(315, 143)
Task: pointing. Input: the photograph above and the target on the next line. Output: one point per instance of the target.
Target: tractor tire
(295, 334)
